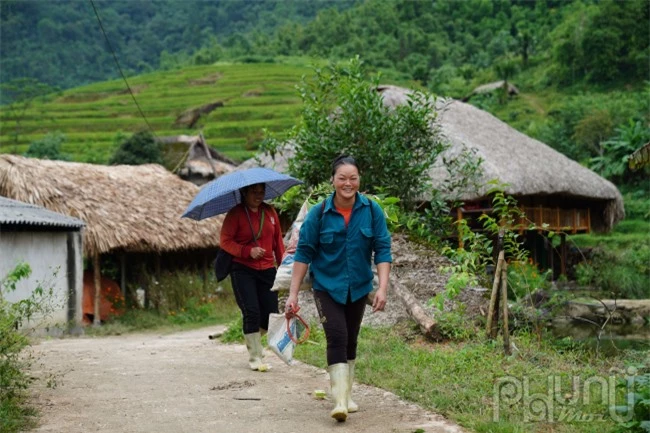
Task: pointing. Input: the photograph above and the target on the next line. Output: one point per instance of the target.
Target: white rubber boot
(352, 406)
(339, 375)
(254, 346)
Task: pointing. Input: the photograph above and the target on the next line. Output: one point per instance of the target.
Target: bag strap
(259, 233)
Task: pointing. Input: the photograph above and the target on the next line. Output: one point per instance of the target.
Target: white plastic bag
(283, 275)
(278, 338)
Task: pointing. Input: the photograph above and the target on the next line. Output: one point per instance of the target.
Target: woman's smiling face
(346, 181)
(255, 195)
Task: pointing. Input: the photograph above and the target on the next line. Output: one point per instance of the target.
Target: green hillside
(254, 96)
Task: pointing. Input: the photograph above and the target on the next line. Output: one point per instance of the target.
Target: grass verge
(460, 380)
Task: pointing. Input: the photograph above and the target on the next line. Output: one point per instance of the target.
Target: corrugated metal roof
(18, 212)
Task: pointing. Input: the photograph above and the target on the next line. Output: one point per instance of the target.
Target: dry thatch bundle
(529, 167)
(125, 208)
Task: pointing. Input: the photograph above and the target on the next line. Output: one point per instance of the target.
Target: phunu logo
(558, 405)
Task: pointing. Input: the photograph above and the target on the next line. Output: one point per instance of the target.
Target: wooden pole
(504, 301)
(98, 289)
(427, 325)
(490, 327)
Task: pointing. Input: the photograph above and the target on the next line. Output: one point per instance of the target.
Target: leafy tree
(343, 113)
(140, 148)
(49, 147)
(593, 129)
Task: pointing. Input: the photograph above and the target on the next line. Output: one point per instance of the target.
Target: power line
(120, 68)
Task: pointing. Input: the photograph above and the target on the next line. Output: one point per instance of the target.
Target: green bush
(15, 415)
(524, 278)
(140, 148)
(622, 274)
(49, 147)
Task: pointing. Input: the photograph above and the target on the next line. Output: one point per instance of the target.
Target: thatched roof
(129, 208)
(530, 167)
(203, 163)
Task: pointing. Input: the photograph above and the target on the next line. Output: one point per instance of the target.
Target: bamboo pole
(491, 328)
(98, 289)
(504, 301)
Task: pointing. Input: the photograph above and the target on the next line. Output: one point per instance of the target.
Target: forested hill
(581, 66)
(444, 44)
(61, 43)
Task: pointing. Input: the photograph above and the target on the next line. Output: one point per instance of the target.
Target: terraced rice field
(93, 117)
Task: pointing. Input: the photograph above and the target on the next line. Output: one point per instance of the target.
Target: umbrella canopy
(222, 194)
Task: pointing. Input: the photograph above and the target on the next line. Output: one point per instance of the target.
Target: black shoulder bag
(223, 262)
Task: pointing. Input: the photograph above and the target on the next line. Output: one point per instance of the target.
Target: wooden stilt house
(553, 190)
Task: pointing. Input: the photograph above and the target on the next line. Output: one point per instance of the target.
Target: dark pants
(341, 324)
(253, 293)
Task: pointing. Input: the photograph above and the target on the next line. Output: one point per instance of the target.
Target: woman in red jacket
(251, 233)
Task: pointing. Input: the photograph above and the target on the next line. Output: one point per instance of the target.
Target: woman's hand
(379, 302)
(291, 306)
(383, 271)
(257, 253)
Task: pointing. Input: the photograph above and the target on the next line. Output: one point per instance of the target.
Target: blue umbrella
(222, 194)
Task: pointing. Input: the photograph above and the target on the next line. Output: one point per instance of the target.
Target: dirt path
(184, 382)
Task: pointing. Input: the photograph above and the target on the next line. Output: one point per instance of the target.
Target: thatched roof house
(537, 174)
(125, 208)
(203, 163)
(531, 168)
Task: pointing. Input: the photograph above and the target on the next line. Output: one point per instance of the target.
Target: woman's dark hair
(242, 190)
(343, 160)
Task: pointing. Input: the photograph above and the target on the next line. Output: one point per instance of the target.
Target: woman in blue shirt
(336, 243)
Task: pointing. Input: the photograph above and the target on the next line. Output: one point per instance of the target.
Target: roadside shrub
(454, 325)
(14, 365)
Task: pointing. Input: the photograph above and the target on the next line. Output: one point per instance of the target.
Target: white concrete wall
(47, 255)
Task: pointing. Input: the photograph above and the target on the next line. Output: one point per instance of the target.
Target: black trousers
(341, 324)
(254, 297)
